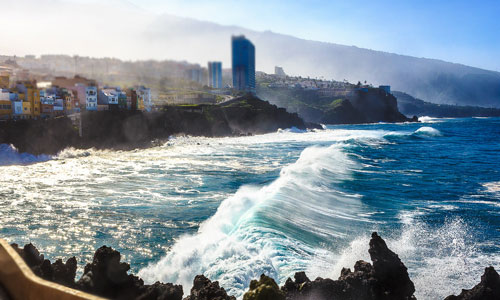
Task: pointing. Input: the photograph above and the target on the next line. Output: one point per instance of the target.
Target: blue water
(233, 208)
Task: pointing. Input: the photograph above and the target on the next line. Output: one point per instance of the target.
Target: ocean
(234, 208)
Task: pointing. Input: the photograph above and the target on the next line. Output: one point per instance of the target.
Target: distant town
(32, 88)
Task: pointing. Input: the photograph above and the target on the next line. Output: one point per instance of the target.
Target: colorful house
(91, 98)
(5, 109)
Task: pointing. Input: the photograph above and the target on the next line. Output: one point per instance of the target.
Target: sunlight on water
(234, 208)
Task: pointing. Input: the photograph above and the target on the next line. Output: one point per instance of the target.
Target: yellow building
(5, 109)
(68, 102)
(33, 98)
(140, 102)
(27, 113)
(4, 81)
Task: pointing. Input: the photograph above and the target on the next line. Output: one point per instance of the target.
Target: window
(25, 108)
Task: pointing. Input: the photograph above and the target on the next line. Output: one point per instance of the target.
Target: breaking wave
(9, 155)
(252, 232)
(427, 131)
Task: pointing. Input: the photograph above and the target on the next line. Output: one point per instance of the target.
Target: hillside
(411, 106)
(169, 37)
(370, 106)
(433, 80)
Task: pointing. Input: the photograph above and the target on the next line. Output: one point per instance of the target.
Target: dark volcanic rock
(246, 115)
(264, 289)
(59, 272)
(387, 279)
(392, 279)
(107, 276)
(161, 291)
(204, 289)
(487, 289)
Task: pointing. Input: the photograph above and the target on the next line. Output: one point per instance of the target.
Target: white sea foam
(10, 156)
(426, 119)
(252, 233)
(441, 261)
(492, 187)
(427, 131)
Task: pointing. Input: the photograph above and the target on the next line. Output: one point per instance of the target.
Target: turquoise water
(233, 208)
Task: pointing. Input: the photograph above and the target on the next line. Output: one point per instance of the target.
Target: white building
(91, 98)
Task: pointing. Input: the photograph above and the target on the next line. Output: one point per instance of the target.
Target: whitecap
(9, 155)
(427, 131)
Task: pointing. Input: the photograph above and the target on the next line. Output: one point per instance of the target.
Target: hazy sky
(463, 31)
(466, 32)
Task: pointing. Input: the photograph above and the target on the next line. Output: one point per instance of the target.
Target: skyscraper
(215, 74)
(243, 64)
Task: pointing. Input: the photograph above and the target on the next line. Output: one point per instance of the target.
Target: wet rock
(59, 272)
(392, 279)
(265, 289)
(204, 289)
(386, 279)
(487, 289)
(107, 276)
(161, 291)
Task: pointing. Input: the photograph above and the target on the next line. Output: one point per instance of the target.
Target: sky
(460, 31)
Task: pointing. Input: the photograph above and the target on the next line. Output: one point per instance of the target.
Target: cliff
(245, 115)
(372, 105)
(414, 106)
(386, 278)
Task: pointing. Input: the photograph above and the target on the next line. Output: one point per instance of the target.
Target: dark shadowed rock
(487, 289)
(387, 279)
(264, 289)
(107, 276)
(59, 272)
(204, 289)
(392, 279)
(161, 291)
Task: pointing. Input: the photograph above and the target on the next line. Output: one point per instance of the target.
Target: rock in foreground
(386, 278)
(487, 289)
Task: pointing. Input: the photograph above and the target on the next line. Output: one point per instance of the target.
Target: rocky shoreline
(126, 130)
(385, 278)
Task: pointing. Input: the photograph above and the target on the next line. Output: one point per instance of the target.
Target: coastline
(127, 130)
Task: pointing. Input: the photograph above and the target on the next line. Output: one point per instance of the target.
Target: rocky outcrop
(204, 289)
(264, 289)
(386, 279)
(59, 272)
(353, 105)
(107, 276)
(246, 115)
(487, 289)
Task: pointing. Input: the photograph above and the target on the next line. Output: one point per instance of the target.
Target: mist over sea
(234, 208)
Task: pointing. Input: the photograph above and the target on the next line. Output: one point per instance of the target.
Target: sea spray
(427, 131)
(252, 233)
(9, 155)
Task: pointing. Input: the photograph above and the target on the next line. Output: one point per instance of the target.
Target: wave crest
(9, 155)
(427, 131)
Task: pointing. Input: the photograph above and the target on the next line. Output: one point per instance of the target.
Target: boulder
(204, 289)
(264, 289)
(59, 272)
(487, 289)
(386, 279)
(107, 276)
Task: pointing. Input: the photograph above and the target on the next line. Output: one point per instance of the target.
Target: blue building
(243, 64)
(215, 74)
